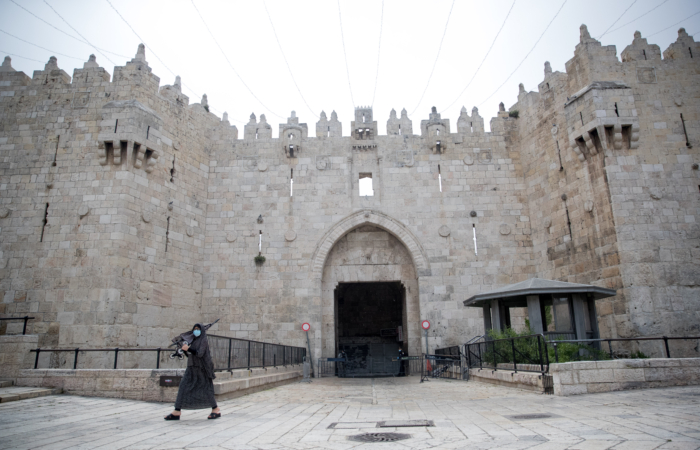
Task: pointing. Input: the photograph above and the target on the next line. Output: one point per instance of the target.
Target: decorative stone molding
(547, 222)
(290, 235)
(83, 210)
(4, 212)
(444, 231)
(231, 236)
(189, 231)
(378, 219)
(262, 166)
(504, 229)
(468, 160)
(322, 163)
(146, 216)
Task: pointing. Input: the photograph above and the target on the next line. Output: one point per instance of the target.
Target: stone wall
(604, 376)
(127, 213)
(15, 354)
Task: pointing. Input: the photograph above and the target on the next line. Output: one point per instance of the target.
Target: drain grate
(379, 437)
(405, 423)
(531, 416)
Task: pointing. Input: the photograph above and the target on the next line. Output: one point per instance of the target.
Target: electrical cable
(345, 54)
(38, 46)
(677, 23)
(444, 32)
(482, 61)
(78, 33)
(634, 20)
(618, 19)
(3, 52)
(285, 60)
(527, 55)
(379, 52)
(69, 35)
(231, 65)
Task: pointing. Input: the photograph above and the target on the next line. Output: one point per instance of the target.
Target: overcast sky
(407, 68)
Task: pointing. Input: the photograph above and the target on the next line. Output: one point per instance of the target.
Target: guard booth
(557, 309)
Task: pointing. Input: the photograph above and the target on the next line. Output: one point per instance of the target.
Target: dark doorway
(370, 321)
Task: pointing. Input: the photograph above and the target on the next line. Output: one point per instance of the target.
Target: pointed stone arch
(375, 218)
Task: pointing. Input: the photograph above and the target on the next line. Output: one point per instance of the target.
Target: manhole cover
(379, 437)
(531, 416)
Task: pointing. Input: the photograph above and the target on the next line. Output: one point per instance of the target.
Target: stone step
(232, 388)
(14, 393)
(4, 384)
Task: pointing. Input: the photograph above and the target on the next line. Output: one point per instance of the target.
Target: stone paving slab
(14, 393)
(299, 416)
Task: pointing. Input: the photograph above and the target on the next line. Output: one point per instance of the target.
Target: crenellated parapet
(51, 75)
(436, 132)
(329, 128)
(291, 134)
(174, 93)
(399, 126)
(641, 50)
(470, 125)
(364, 127)
(684, 47)
(257, 130)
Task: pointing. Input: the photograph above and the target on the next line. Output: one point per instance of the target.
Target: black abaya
(197, 386)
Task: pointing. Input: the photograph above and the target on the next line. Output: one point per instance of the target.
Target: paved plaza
(327, 413)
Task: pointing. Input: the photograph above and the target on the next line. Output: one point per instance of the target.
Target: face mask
(197, 333)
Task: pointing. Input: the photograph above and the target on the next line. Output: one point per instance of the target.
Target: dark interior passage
(369, 325)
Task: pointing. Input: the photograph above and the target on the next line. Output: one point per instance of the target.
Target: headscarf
(202, 358)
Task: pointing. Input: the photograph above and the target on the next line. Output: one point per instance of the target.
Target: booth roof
(538, 286)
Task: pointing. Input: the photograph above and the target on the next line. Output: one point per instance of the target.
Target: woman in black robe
(197, 386)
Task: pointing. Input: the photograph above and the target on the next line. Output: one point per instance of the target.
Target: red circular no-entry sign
(425, 324)
(305, 326)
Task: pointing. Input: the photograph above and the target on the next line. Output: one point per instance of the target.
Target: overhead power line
(345, 54)
(18, 56)
(379, 52)
(78, 33)
(618, 19)
(482, 61)
(527, 55)
(444, 32)
(677, 23)
(229, 62)
(285, 60)
(43, 48)
(69, 35)
(634, 20)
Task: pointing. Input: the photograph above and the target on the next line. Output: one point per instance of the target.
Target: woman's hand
(185, 347)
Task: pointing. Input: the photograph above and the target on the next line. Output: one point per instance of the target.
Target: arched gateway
(368, 266)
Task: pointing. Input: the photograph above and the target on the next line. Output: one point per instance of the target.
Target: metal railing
(227, 353)
(592, 349)
(449, 351)
(443, 366)
(522, 353)
(25, 318)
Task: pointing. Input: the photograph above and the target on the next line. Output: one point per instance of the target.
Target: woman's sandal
(172, 417)
(214, 416)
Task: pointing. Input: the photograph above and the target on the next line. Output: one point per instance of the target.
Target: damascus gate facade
(128, 213)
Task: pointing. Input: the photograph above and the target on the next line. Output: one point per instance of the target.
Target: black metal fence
(622, 348)
(448, 351)
(523, 353)
(443, 366)
(25, 319)
(227, 354)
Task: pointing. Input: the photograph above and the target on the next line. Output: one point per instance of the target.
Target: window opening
(547, 85)
(644, 52)
(55, 155)
(260, 243)
(167, 233)
(399, 129)
(474, 231)
(617, 112)
(110, 152)
(364, 119)
(437, 132)
(596, 140)
(148, 131)
(568, 220)
(172, 171)
(610, 137)
(329, 132)
(685, 131)
(691, 51)
(439, 178)
(581, 115)
(116, 124)
(256, 133)
(291, 184)
(45, 222)
(561, 166)
(471, 126)
(366, 189)
(626, 137)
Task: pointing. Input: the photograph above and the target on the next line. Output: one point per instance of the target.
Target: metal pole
(610, 348)
(116, 353)
(36, 360)
(311, 360)
(426, 343)
(158, 359)
(263, 358)
(515, 363)
(248, 355)
(24, 330)
(556, 353)
(481, 361)
(539, 353)
(75, 360)
(668, 352)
